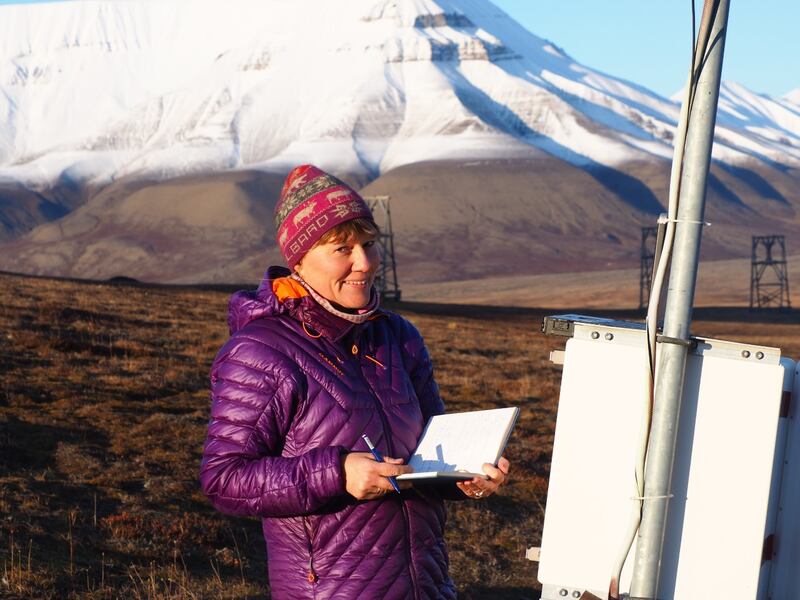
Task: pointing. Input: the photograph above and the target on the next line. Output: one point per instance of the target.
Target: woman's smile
(342, 271)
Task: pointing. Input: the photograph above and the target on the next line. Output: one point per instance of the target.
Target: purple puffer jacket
(292, 391)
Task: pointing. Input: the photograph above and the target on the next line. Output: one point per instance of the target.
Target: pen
(379, 458)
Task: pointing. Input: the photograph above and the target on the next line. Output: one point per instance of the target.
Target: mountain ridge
(143, 98)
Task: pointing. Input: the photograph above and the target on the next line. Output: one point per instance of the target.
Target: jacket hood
(248, 305)
(275, 296)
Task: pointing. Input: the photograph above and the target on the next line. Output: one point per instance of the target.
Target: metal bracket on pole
(662, 339)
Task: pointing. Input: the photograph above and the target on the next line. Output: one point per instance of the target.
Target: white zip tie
(667, 497)
(663, 220)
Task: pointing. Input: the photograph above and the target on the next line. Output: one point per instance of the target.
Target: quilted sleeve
(255, 391)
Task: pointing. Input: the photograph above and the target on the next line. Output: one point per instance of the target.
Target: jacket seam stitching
(235, 361)
(261, 418)
(277, 489)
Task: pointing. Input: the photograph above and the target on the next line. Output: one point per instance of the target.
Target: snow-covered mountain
(495, 143)
(757, 121)
(793, 96)
(101, 89)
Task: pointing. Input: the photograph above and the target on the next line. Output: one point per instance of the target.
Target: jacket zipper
(386, 434)
(311, 574)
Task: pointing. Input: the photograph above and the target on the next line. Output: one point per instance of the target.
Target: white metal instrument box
(733, 528)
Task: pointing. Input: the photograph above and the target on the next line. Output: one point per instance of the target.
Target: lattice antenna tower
(649, 236)
(769, 278)
(386, 279)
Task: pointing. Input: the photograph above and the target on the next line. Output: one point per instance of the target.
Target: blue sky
(648, 41)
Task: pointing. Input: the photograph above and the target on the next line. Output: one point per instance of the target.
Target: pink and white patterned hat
(313, 202)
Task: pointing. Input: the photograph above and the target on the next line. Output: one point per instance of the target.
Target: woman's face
(342, 272)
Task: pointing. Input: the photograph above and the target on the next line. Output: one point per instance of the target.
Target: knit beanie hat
(313, 202)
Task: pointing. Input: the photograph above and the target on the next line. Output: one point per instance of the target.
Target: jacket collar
(300, 305)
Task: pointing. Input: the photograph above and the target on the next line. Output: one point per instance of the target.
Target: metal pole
(678, 315)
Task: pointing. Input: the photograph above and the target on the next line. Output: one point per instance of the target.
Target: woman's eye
(342, 249)
(369, 244)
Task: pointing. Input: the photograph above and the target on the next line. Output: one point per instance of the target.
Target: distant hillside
(452, 221)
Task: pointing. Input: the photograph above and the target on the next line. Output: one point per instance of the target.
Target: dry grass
(103, 409)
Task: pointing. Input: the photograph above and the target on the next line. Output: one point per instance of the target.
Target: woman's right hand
(366, 479)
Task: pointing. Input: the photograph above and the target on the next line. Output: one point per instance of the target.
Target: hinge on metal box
(558, 326)
(769, 548)
(786, 404)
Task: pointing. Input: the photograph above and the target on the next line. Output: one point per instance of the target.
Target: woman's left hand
(481, 488)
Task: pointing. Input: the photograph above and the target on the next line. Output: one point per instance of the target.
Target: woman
(312, 365)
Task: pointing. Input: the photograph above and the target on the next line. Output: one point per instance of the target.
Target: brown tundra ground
(103, 409)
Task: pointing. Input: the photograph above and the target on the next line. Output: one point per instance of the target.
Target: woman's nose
(364, 259)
